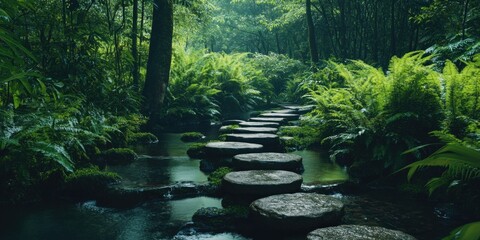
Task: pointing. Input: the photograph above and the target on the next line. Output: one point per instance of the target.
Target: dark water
(167, 163)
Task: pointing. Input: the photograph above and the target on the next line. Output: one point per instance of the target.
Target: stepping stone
(264, 119)
(301, 109)
(288, 111)
(255, 130)
(268, 161)
(287, 116)
(266, 139)
(357, 232)
(259, 124)
(231, 122)
(261, 182)
(297, 212)
(230, 149)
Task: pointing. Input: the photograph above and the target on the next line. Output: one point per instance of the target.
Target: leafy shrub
(141, 137)
(196, 150)
(192, 136)
(216, 177)
(89, 182)
(119, 156)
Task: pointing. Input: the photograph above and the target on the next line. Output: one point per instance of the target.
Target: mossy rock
(192, 136)
(119, 156)
(89, 183)
(196, 150)
(216, 176)
(141, 137)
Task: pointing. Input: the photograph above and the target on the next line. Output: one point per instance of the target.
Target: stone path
(262, 170)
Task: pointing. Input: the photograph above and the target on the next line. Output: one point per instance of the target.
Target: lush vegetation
(80, 80)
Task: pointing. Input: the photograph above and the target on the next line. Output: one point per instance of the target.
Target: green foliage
(89, 182)
(119, 156)
(460, 162)
(191, 136)
(196, 150)
(469, 231)
(303, 136)
(216, 177)
(141, 137)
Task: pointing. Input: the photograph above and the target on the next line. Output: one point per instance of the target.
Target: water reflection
(318, 167)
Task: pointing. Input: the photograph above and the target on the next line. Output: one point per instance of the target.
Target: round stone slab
(357, 232)
(297, 212)
(258, 138)
(255, 130)
(287, 116)
(264, 119)
(259, 124)
(268, 161)
(229, 149)
(262, 182)
(289, 111)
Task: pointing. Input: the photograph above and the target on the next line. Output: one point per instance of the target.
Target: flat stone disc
(297, 212)
(265, 119)
(258, 138)
(268, 161)
(229, 149)
(259, 124)
(255, 130)
(287, 116)
(262, 182)
(357, 232)
(289, 111)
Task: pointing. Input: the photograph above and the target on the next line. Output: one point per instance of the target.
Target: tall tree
(135, 56)
(312, 40)
(159, 59)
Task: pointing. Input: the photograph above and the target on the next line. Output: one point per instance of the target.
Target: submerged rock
(261, 182)
(268, 161)
(229, 149)
(297, 212)
(259, 124)
(121, 197)
(357, 232)
(221, 219)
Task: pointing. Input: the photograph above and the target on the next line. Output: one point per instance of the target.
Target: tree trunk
(312, 41)
(393, 37)
(135, 74)
(159, 60)
(464, 20)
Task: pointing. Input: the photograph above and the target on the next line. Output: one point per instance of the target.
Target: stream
(166, 162)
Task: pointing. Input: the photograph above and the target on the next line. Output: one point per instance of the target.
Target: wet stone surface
(287, 116)
(268, 161)
(357, 232)
(259, 124)
(268, 140)
(255, 130)
(229, 149)
(265, 119)
(261, 182)
(297, 212)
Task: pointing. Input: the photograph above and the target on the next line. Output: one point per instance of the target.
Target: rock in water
(259, 124)
(268, 161)
(269, 141)
(287, 116)
(255, 130)
(262, 119)
(357, 232)
(229, 149)
(261, 182)
(297, 212)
